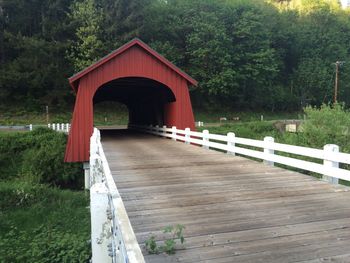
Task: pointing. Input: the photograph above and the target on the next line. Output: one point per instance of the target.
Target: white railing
(231, 144)
(199, 124)
(60, 127)
(112, 237)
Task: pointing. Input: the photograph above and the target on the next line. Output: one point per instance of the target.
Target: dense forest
(246, 54)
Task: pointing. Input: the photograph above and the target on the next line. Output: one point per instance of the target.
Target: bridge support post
(86, 167)
(231, 143)
(205, 139)
(328, 150)
(268, 151)
(100, 224)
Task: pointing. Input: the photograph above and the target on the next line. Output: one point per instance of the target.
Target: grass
(252, 130)
(105, 113)
(246, 116)
(37, 220)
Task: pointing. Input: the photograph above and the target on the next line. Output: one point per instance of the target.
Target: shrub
(19, 194)
(329, 124)
(38, 157)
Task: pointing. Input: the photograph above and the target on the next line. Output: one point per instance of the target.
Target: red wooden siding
(137, 60)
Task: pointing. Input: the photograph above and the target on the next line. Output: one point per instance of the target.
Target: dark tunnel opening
(145, 98)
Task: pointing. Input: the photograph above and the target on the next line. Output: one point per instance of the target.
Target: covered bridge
(154, 90)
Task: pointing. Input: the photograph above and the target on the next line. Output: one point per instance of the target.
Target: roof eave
(126, 46)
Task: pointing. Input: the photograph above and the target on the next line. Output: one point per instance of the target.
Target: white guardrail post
(267, 150)
(173, 132)
(164, 131)
(86, 167)
(329, 149)
(187, 135)
(231, 143)
(205, 144)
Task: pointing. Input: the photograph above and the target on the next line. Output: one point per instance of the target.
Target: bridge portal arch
(154, 90)
(147, 100)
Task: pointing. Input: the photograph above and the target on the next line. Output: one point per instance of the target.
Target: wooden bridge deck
(234, 209)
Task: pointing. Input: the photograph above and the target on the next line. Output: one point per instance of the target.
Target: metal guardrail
(112, 236)
(231, 144)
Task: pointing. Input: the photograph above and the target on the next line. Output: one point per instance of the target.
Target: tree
(88, 47)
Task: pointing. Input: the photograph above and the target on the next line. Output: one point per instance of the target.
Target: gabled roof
(122, 49)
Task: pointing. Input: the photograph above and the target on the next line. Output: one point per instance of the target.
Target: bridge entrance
(153, 89)
(110, 113)
(147, 100)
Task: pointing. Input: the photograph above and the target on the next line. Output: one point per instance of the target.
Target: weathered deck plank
(234, 209)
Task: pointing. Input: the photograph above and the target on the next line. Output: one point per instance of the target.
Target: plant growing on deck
(175, 234)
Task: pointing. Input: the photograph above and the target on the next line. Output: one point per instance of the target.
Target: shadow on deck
(234, 209)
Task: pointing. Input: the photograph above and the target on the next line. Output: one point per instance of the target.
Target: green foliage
(326, 125)
(44, 245)
(269, 55)
(151, 245)
(88, 16)
(252, 130)
(43, 224)
(169, 245)
(38, 157)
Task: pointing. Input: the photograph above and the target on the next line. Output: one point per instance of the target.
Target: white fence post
(49, 125)
(54, 126)
(86, 167)
(173, 131)
(100, 224)
(329, 149)
(205, 139)
(164, 131)
(187, 135)
(67, 127)
(267, 150)
(30, 127)
(231, 143)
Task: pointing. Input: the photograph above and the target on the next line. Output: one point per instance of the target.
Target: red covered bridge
(154, 90)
